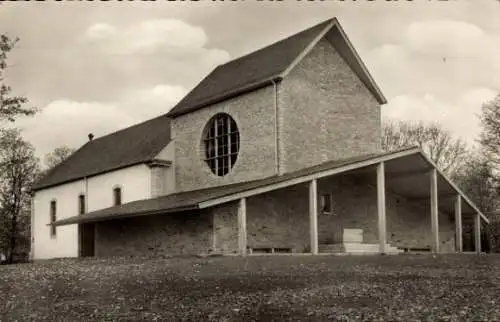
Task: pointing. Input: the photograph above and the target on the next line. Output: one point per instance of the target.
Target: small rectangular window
(326, 203)
(117, 192)
(53, 210)
(81, 204)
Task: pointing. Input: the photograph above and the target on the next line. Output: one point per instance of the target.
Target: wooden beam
(214, 231)
(382, 227)
(404, 174)
(313, 215)
(458, 224)
(434, 211)
(477, 233)
(242, 226)
(441, 196)
(457, 189)
(306, 178)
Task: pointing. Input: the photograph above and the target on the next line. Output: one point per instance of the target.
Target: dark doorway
(87, 239)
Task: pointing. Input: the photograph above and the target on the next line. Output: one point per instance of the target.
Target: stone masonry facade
(254, 116)
(355, 207)
(278, 219)
(325, 112)
(155, 235)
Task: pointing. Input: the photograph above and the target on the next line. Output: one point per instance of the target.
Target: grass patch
(267, 288)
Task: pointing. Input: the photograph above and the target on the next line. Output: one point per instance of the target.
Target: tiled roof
(267, 65)
(137, 144)
(248, 72)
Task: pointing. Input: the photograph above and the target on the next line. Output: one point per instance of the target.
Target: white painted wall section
(135, 182)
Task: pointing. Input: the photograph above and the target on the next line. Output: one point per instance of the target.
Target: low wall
(167, 234)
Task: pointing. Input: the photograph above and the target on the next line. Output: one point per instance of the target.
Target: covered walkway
(407, 173)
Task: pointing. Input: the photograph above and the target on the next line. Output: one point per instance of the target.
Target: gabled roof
(137, 144)
(205, 198)
(271, 64)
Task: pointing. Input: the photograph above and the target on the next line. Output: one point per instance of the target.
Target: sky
(97, 67)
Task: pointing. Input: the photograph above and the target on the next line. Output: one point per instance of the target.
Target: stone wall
(279, 219)
(325, 112)
(155, 235)
(254, 115)
(225, 219)
(355, 206)
(276, 219)
(158, 181)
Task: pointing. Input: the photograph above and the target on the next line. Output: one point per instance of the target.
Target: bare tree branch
(490, 136)
(437, 143)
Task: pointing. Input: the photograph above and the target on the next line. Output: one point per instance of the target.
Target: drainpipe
(86, 192)
(276, 128)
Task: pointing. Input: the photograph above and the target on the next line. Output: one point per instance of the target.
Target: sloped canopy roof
(272, 63)
(134, 145)
(409, 161)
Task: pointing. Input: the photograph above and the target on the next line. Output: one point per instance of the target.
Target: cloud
(447, 38)
(100, 31)
(460, 117)
(107, 61)
(442, 57)
(147, 103)
(442, 71)
(67, 122)
(169, 36)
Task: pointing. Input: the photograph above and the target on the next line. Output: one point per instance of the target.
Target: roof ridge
(278, 41)
(276, 57)
(127, 128)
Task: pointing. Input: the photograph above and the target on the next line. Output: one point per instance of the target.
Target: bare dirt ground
(266, 288)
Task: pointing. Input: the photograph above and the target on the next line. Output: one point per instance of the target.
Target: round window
(221, 143)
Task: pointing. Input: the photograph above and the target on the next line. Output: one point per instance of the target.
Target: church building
(278, 151)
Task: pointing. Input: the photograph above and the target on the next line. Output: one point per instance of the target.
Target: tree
(477, 180)
(10, 106)
(19, 168)
(57, 156)
(437, 143)
(490, 135)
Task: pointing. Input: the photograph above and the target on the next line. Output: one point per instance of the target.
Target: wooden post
(434, 212)
(458, 225)
(313, 215)
(214, 232)
(242, 226)
(477, 232)
(382, 227)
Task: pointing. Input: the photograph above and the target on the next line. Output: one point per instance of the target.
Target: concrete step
(355, 248)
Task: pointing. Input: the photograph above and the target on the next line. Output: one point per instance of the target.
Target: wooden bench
(269, 249)
(415, 249)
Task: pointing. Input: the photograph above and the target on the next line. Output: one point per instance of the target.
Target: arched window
(221, 143)
(117, 196)
(53, 215)
(81, 204)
